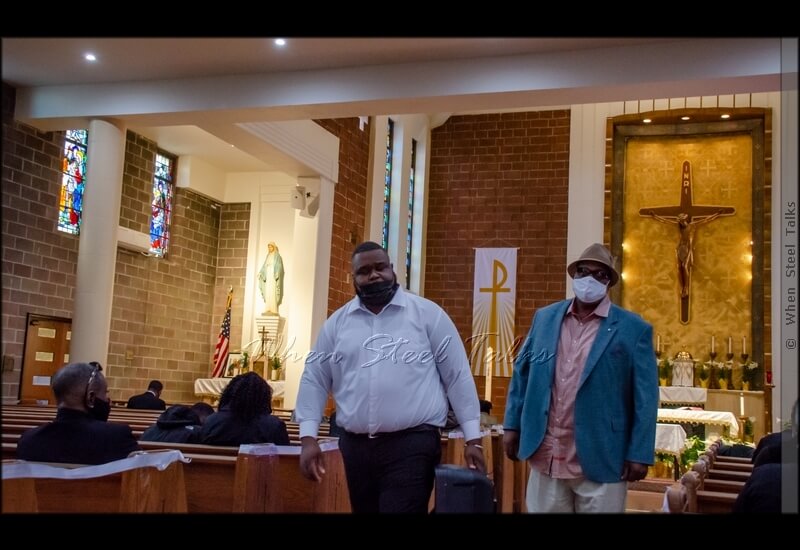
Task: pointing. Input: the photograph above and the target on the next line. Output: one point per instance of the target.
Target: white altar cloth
(720, 418)
(212, 387)
(682, 394)
(670, 438)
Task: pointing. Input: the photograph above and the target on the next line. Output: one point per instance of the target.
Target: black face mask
(101, 410)
(377, 294)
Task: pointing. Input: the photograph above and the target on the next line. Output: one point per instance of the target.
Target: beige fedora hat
(596, 253)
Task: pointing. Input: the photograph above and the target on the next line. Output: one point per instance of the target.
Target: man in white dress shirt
(392, 361)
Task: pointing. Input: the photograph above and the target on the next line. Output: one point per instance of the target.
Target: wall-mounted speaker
(298, 198)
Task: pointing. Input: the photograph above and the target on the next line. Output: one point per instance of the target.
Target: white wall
(198, 175)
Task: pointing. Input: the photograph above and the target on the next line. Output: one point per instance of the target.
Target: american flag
(223, 344)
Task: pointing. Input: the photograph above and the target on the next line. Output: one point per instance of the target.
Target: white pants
(548, 495)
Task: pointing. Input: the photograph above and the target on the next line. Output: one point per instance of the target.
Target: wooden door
(47, 342)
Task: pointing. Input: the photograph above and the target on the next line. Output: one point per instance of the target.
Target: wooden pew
(138, 489)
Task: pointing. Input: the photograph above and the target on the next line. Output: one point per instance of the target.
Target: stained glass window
(387, 183)
(161, 205)
(73, 181)
(410, 221)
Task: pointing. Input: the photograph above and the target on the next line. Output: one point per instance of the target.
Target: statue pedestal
(274, 326)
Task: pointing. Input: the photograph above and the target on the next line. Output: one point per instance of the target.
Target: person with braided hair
(244, 415)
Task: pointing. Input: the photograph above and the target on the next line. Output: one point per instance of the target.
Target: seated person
(203, 411)
(151, 399)
(486, 413)
(244, 415)
(771, 472)
(178, 424)
(80, 433)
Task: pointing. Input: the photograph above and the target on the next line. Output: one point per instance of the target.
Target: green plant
(275, 362)
(749, 371)
(665, 368)
(703, 371)
(245, 361)
(691, 451)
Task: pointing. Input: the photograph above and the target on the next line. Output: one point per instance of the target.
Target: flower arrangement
(749, 372)
(704, 370)
(724, 374)
(665, 369)
(275, 362)
(245, 362)
(748, 428)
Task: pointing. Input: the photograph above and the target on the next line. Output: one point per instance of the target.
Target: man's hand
(473, 455)
(511, 444)
(311, 462)
(633, 471)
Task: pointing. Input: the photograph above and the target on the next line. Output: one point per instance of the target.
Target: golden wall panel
(720, 298)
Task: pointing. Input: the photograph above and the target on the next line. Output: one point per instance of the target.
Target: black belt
(420, 428)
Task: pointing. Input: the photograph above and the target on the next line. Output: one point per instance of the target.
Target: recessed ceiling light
(280, 42)
(685, 117)
(90, 57)
(647, 120)
(726, 115)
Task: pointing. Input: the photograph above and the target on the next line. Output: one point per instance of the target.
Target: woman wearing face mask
(80, 433)
(583, 399)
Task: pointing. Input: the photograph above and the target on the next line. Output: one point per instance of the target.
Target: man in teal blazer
(583, 399)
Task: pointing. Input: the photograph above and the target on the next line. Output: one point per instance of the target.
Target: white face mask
(588, 289)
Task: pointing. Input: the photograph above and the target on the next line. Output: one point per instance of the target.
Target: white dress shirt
(390, 371)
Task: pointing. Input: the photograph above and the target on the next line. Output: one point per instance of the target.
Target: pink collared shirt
(557, 456)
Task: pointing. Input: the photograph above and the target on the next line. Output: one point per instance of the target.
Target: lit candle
(713, 343)
(741, 404)
(744, 345)
(730, 345)
(487, 395)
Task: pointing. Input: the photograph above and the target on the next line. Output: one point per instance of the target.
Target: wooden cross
(263, 332)
(687, 217)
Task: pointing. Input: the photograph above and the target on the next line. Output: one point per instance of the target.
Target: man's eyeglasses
(600, 275)
(97, 367)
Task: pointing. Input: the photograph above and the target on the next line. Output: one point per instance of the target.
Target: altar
(209, 389)
(716, 422)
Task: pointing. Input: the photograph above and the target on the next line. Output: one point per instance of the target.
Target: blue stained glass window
(410, 221)
(73, 181)
(387, 183)
(161, 205)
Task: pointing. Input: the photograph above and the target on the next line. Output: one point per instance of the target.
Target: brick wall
(39, 262)
(234, 229)
(137, 182)
(161, 317)
(349, 205)
(162, 325)
(498, 180)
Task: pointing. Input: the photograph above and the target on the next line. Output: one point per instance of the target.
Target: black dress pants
(391, 472)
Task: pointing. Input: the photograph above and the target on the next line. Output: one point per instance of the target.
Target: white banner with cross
(493, 308)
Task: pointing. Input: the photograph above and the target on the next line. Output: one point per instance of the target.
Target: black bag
(460, 490)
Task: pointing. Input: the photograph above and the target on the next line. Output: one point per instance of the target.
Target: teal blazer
(616, 406)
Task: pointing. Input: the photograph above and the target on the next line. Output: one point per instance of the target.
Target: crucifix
(687, 217)
(262, 351)
(497, 286)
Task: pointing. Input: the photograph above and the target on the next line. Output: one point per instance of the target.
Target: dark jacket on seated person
(223, 428)
(178, 424)
(76, 438)
(244, 415)
(147, 400)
